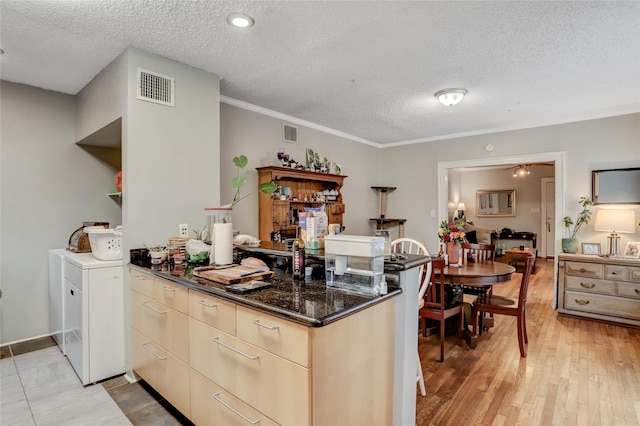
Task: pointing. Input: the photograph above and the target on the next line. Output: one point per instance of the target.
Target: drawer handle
(637, 290)
(268, 327)
(154, 309)
(144, 345)
(166, 288)
(582, 302)
(141, 277)
(582, 270)
(588, 285)
(217, 340)
(216, 396)
(208, 305)
(614, 273)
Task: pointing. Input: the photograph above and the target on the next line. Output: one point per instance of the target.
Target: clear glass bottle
(298, 262)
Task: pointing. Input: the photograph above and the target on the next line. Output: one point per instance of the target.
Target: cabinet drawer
(213, 311)
(141, 282)
(336, 208)
(161, 324)
(273, 385)
(602, 304)
(629, 289)
(590, 285)
(212, 405)
(174, 295)
(166, 374)
(583, 269)
(276, 335)
(616, 272)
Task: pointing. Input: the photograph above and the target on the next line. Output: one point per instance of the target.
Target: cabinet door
(280, 214)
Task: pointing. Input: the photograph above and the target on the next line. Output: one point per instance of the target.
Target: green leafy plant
(239, 180)
(583, 217)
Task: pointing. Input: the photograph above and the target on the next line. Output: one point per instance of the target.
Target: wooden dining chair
(411, 246)
(483, 252)
(507, 306)
(434, 304)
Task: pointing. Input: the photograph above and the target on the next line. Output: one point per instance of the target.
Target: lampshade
(461, 207)
(615, 220)
(450, 97)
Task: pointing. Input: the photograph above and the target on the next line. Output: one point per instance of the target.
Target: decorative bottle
(298, 257)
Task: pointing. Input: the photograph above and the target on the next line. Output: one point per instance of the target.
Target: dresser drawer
(629, 289)
(174, 295)
(161, 324)
(616, 272)
(589, 284)
(276, 335)
(602, 304)
(141, 282)
(272, 385)
(584, 269)
(634, 274)
(213, 405)
(213, 311)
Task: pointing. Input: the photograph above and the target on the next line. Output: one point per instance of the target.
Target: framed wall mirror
(496, 203)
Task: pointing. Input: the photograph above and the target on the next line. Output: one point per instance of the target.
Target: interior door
(548, 240)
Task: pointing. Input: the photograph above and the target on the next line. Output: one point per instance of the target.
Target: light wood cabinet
(281, 215)
(160, 338)
(599, 288)
(243, 365)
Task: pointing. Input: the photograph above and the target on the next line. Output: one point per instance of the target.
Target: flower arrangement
(452, 232)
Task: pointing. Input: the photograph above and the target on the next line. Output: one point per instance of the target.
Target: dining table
(481, 275)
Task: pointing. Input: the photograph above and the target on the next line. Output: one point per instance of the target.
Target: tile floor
(38, 386)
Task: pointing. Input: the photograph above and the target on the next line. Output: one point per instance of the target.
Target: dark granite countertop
(308, 302)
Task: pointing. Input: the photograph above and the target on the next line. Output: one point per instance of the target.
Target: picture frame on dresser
(590, 248)
(632, 251)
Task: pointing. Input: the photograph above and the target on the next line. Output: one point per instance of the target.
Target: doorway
(547, 233)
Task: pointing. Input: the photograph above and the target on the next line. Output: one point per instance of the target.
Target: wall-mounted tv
(615, 186)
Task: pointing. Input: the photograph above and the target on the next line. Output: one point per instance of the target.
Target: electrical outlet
(184, 230)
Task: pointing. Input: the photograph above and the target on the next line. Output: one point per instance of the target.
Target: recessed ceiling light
(240, 20)
(450, 97)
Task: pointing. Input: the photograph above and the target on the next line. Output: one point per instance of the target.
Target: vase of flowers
(452, 234)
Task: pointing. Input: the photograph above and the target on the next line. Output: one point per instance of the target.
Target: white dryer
(94, 316)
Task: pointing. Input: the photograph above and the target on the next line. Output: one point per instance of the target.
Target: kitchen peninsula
(295, 353)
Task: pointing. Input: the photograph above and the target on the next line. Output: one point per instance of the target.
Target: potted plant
(570, 245)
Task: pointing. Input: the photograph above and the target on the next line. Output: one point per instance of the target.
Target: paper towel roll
(223, 243)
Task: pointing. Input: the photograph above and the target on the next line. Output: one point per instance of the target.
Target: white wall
(259, 136)
(612, 142)
(49, 186)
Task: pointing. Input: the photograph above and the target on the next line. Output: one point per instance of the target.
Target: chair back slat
(435, 297)
(411, 246)
(483, 252)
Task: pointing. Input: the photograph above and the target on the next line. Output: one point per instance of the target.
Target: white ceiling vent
(154, 87)
(289, 133)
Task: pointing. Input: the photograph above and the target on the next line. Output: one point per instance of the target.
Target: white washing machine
(93, 316)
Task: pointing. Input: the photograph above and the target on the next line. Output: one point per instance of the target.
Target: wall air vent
(289, 133)
(156, 88)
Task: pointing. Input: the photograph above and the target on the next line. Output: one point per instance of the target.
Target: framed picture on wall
(590, 248)
(632, 250)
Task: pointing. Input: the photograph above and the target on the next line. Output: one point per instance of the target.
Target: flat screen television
(615, 186)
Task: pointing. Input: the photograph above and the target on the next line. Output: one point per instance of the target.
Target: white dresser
(600, 288)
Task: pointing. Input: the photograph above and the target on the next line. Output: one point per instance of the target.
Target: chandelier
(521, 170)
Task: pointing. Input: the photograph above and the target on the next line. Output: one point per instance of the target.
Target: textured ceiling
(362, 68)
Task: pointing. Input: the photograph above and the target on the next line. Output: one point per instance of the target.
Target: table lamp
(615, 221)
(461, 208)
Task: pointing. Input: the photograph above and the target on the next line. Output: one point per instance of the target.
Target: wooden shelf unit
(278, 215)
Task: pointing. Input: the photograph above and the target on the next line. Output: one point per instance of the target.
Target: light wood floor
(577, 372)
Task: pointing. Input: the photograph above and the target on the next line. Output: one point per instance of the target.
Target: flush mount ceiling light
(240, 20)
(450, 97)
